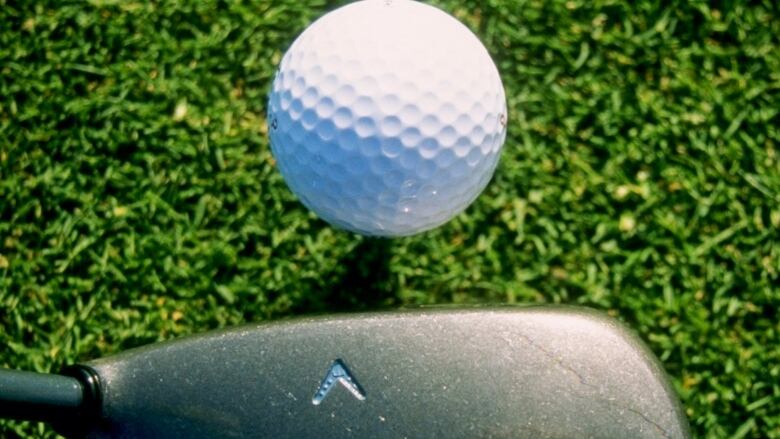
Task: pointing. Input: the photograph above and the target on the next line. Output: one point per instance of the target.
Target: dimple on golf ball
(387, 117)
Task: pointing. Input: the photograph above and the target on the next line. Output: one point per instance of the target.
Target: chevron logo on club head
(338, 373)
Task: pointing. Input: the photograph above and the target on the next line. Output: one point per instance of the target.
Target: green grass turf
(139, 200)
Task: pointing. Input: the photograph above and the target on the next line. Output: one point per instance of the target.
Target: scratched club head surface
(519, 373)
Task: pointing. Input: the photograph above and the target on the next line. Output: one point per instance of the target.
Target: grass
(641, 176)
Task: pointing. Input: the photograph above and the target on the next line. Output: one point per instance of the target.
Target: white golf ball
(387, 117)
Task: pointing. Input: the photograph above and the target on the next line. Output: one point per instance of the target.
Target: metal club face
(499, 372)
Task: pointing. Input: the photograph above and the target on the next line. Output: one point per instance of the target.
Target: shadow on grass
(361, 283)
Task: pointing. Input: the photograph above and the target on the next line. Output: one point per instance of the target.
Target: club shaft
(37, 396)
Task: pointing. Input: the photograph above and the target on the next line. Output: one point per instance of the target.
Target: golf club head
(539, 372)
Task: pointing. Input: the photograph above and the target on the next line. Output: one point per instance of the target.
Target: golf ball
(387, 117)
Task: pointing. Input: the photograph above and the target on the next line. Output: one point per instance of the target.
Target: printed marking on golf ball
(387, 118)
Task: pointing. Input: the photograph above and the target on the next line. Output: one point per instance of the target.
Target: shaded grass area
(139, 199)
